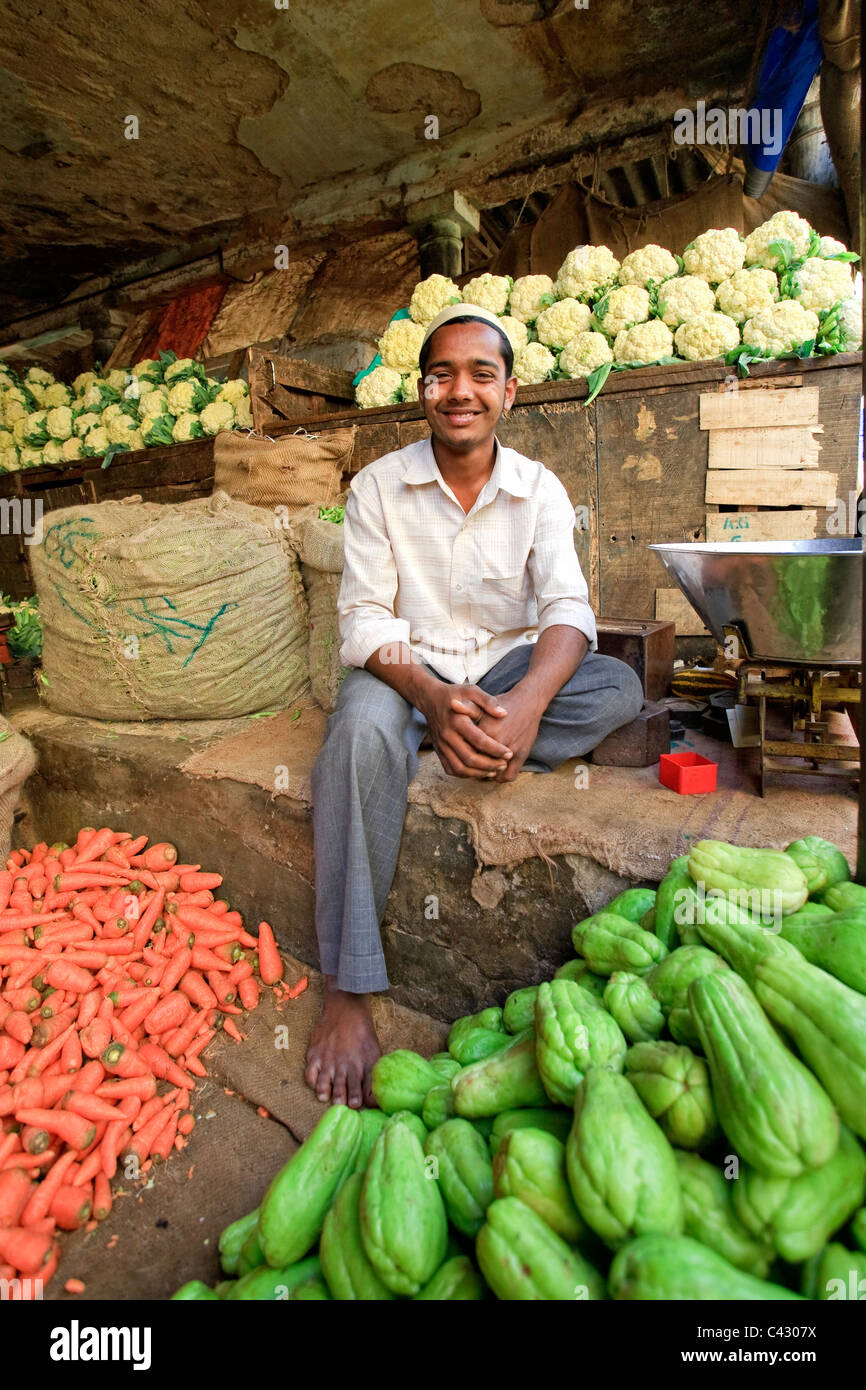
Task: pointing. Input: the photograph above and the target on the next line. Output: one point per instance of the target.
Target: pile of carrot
(117, 967)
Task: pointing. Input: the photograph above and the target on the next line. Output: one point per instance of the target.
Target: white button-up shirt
(460, 588)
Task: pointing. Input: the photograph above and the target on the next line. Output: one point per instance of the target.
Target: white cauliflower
(645, 343)
(52, 454)
(715, 255)
(184, 369)
(155, 402)
(72, 449)
(620, 308)
(516, 332)
(37, 392)
(851, 321)
(822, 283)
(135, 440)
(650, 262)
(19, 429)
(400, 344)
(35, 376)
(218, 416)
(747, 292)
(96, 441)
(118, 379)
(83, 382)
(584, 353)
(120, 428)
(181, 397)
(112, 411)
(683, 298)
(829, 246)
(781, 328)
(187, 426)
(9, 461)
(430, 296)
(529, 295)
(13, 409)
(7, 440)
(488, 292)
(782, 226)
(98, 395)
(30, 458)
(88, 420)
(148, 369)
(232, 391)
(56, 395)
(36, 429)
(59, 422)
(243, 413)
(533, 363)
(379, 387)
(157, 429)
(409, 388)
(560, 322)
(709, 335)
(585, 273)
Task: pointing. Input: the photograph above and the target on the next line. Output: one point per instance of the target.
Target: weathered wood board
(780, 446)
(747, 409)
(772, 487)
(799, 525)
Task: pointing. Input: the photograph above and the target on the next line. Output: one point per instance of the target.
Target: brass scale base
(806, 689)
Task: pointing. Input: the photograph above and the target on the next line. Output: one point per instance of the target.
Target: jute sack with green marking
(194, 610)
(319, 545)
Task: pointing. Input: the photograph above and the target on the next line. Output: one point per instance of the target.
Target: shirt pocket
(504, 601)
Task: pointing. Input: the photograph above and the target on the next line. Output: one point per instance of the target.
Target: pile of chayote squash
(678, 1114)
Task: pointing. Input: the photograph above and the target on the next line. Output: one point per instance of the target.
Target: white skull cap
(456, 311)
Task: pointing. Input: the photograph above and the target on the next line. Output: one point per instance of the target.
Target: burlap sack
(161, 611)
(319, 545)
(289, 472)
(17, 761)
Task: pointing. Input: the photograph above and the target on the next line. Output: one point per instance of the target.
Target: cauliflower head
(35, 376)
(30, 458)
(560, 322)
(135, 440)
(120, 428)
(243, 413)
(96, 441)
(715, 255)
(148, 369)
(9, 461)
(19, 429)
(118, 379)
(72, 449)
(822, 283)
(111, 412)
(533, 363)
(37, 392)
(584, 353)
(379, 387)
(400, 344)
(83, 382)
(683, 298)
(782, 226)
(98, 395)
(431, 295)
(36, 429)
(488, 292)
(747, 292)
(644, 343)
(232, 391)
(851, 323)
(181, 397)
(186, 426)
(155, 402)
(529, 295)
(218, 416)
(52, 454)
(708, 335)
(13, 410)
(55, 395)
(85, 422)
(157, 429)
(620, 308)
(649, 262)
(829, 246)
(409, 388)
(781, 328)
(59, 422)
(516, 332)
(184, 369)
(586, 272)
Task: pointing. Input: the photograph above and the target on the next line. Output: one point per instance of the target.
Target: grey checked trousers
(360, 784)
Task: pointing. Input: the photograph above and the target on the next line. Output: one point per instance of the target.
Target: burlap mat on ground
(623, 817)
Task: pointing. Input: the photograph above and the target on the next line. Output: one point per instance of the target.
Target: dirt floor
(164, 1229)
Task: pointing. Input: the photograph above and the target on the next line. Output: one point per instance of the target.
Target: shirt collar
(423, 468)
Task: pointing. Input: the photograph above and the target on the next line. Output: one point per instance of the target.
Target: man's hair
(504, 342)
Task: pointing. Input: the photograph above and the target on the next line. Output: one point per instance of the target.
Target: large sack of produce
(17, 761)
(154, 611)
(288, 473)
(319, 544)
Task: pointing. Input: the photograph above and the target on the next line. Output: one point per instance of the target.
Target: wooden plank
(312, 376)
(755, 410)
(126, 351)
(779, 446)
(672, 606)
(763, 526)
(772, 487)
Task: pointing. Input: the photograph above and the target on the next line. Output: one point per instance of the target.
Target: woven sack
(319, 546)
(289, 472)
(193, 610)
(17, 761)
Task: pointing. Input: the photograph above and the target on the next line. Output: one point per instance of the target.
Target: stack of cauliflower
(44, 422)
(774, 291)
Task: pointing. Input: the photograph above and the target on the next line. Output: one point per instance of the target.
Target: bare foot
(342, 1049)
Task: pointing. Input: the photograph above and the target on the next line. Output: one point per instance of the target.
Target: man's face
(464, 389)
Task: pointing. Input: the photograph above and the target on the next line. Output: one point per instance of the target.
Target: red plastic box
(687, 772)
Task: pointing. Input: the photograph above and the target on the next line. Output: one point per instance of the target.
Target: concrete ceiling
(252, 116)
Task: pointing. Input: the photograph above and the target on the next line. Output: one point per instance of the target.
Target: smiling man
(465, 617)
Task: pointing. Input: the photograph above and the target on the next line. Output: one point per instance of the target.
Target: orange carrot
(74, 1130)
(91, 1107)
(47, 1029)
(179, 1040)
(164, 1142)
(95, 1037)
(70, 1054)
(194, 986)
(170, 1012)
(194, 882)
(162, 1065)
(40, 1201)
(298, 988)
(146, 922)
(248, 990)
(270, 962)
(194, 1065)
(69, 977)
(71, 1207)
(200, 1043)
(136, 1012)
(101, 1196)
(16, 1187)
(219, 983)
(89, 1077)
(205, 959)
(96, 844)
(18, 1026)
(175, 970)
(5, 888)
(232, 1029)
(147, 1112)
(27, 1250)
(11, 1052)
(134, 847)
(139, 1087)
(122, 1060)
(158, 857)
(186, 1124)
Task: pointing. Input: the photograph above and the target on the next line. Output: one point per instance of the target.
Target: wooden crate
(283, 388)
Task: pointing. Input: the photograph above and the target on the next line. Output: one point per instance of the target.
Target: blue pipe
(790, 62)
